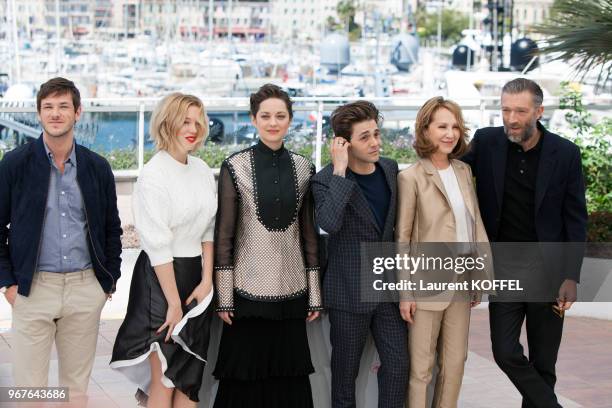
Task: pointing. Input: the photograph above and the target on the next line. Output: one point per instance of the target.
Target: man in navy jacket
(531, 190)
(60, 244)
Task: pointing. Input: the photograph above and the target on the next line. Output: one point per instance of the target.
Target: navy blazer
(560, 203)
(343, 211)
(24, 184)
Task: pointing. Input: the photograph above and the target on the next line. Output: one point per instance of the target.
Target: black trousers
(535, 376)
(348, 333)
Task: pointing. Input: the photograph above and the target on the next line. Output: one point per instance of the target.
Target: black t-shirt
(376, 190)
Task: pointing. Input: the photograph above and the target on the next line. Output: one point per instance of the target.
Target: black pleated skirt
(183, 358)
(264, 358)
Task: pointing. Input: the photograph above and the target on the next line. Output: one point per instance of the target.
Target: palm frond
(580, 32)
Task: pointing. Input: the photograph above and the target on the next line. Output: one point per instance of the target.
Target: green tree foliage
(580, 32)
(331, 24)
(346, 10)
(453, 22)
(595, 142)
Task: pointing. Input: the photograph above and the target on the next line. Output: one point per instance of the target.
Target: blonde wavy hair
(168, 118)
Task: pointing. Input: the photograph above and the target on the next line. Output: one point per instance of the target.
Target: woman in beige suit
(437, 203)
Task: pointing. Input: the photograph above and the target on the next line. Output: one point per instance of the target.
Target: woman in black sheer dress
(266, 266)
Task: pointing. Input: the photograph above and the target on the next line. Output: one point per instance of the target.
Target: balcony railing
(119, 128)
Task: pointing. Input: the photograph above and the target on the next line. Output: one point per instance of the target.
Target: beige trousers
(446, 332)
(64, 307)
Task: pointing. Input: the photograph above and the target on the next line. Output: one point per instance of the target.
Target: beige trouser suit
(441, 322)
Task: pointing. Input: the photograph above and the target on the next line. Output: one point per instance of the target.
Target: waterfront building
(193, 18)
(530, 12)
(301, 19)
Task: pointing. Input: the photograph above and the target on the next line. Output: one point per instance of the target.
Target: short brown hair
(59, 86)
(520, 85)
(422, 145)
(344, 117)
(169, 116)
(269, 91)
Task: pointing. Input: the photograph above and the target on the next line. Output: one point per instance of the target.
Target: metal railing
(397, 112)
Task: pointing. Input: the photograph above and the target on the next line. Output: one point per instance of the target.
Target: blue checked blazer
(342, 211)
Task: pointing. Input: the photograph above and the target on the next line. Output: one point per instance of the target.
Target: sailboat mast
(211, 4)
(16, 43)
(58, 38)
(229, 21)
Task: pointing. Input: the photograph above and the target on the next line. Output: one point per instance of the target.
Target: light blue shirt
(64, 236)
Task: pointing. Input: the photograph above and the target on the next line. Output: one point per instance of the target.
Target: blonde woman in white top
(162, 343)
(437, 203)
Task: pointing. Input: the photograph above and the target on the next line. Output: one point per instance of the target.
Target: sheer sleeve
(225, 230)
(310, 249)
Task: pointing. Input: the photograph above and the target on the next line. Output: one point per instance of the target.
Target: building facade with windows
(299, 19)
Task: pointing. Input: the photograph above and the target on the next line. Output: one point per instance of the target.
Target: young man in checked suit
(355, 200)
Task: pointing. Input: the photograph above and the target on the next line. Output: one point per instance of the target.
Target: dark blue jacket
(24, 184)
(560, 203)
(343, 211)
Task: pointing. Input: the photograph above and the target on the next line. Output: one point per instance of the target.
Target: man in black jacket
(355, 201)
(60, 258)
(531, 190)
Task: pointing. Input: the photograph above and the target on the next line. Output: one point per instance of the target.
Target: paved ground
(584, 368)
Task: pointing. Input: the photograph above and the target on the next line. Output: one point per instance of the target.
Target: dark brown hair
(520, 85)
(269, 91)
(422, 145)
(344, 117)
(59, 86)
